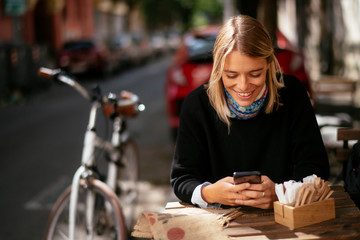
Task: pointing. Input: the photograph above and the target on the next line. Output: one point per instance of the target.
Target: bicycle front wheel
(107, 222)
(127, 189)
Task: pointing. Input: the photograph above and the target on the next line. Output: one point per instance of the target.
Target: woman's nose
(242, 83)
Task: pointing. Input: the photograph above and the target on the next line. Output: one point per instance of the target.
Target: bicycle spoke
(104, 224)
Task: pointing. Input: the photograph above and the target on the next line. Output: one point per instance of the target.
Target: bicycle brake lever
(96, 93)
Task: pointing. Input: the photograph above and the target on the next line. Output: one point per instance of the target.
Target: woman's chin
(244, 103)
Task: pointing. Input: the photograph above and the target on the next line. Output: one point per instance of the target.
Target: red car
(83, 56)
(192, 67)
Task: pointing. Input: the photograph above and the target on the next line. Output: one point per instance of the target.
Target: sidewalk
(153, 198)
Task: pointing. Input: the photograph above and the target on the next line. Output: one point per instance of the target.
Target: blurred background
(161, 50)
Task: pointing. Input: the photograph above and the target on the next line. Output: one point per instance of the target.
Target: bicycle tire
(106, 227)
(127, 183)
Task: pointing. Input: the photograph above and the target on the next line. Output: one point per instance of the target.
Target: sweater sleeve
(188, 167)
(308, 150)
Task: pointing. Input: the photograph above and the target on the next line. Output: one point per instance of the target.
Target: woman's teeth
(245, 94)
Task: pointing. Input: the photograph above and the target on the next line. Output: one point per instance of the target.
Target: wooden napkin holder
(295, 217)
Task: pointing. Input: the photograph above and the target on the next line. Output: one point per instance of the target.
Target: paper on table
(292, 190)
(309, 179)
(288, 191)
(312, 189)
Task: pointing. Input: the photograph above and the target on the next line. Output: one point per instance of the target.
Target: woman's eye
(231, 76)
(255, 75)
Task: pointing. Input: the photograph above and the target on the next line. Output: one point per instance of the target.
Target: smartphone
(253, 177)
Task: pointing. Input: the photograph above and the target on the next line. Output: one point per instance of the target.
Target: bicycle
(92, 206)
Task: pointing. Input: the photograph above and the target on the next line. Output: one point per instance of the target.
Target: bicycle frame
(87, 162)
(91, 140)
(115, 141)
(114, 110)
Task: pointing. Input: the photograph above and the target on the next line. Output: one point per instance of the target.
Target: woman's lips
(244, 95)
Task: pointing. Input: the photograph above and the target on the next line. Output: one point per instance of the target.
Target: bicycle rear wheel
(106, 224)
(128, 175)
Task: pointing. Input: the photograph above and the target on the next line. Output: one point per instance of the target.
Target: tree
(185, 13)
(263, 10)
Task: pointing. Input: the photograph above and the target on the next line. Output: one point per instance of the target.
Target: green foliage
(185, 13)
(213, 8)
(159, 13)
(207, 12)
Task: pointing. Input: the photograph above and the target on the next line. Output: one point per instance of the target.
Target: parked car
(123, 50)
(173, 38)
(159, 43)
(143, 46)
(84, 56)
(192, 67)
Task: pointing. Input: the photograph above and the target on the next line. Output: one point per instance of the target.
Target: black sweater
(283, 145)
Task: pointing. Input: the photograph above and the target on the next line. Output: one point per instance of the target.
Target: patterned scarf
(243, 113)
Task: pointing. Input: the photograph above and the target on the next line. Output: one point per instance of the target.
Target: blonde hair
(248, 36)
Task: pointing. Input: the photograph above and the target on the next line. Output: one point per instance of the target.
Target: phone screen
(253, 177)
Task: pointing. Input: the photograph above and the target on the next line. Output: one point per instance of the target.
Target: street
(41, 144)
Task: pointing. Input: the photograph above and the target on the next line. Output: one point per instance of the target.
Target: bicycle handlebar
(47, 72)
(58, 75)
(127, 105)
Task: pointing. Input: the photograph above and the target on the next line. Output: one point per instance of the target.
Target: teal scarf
(243, 113)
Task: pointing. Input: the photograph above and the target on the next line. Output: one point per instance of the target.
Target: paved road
(41, 142)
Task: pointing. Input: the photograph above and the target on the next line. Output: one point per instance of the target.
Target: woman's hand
(259, 195)
(226, 192)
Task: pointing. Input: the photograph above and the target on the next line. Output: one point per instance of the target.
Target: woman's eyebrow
(229, 71)
(259, 69)
(254, 70)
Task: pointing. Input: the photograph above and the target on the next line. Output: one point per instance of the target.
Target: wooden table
(260, 224)
(256, 223)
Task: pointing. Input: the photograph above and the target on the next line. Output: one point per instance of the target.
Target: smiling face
(244, 77)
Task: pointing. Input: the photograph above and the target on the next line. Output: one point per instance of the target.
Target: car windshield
(200, 49)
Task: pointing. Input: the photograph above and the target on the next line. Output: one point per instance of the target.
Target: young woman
(248, 117)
